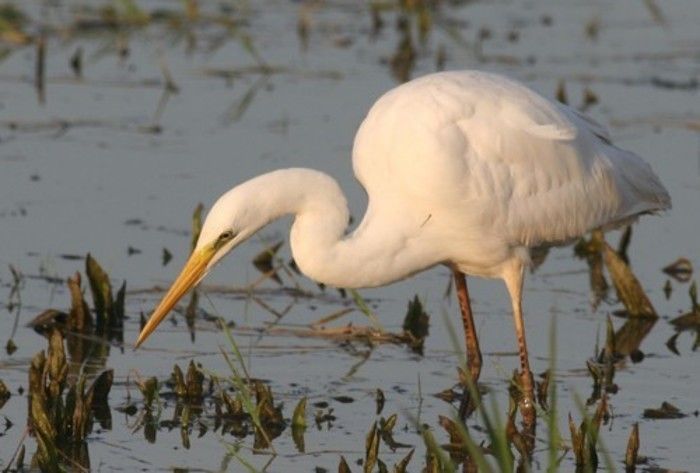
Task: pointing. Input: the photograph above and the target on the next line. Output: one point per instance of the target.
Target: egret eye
(227, 235)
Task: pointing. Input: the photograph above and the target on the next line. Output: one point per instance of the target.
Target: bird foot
(527, 401)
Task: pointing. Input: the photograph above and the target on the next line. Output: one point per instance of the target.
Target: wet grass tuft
(61, 409)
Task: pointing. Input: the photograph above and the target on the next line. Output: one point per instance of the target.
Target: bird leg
(472, 342)
(514, 283)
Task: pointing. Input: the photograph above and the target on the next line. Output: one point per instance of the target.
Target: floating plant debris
(10, 347)
(668, 289)
(380, 400)
(681, 270)
(666, 411)
(4, 393)
(166, 257)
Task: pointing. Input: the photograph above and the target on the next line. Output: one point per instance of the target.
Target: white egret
(467, 169)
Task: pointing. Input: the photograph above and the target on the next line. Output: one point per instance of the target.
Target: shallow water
(108, 187)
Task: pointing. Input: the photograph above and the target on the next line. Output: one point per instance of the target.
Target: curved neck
(378, 252)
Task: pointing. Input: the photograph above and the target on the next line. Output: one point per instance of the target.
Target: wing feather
(495, 158)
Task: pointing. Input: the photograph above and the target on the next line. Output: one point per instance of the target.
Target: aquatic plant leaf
(100, 387)
(298, 438)
(269, 414)
(436, 459)
(629, 337)
(149, 389)
(687, 321)
(693, 293)
(79, 318)
(299, 415)
(343, 466)
(451, 428)
(56, 365)
(371, 449)
(101, 290)
(401, 466)
(299, 425)
(388, 424)
(196, 230)
(632, 448)
(195, 383)
(624, 244)
(82, 411)
(543, 389)
(150, 428)
(415, 324)
(591, 251)
(46, 455)
(184, 426)
(38, 415)
(178, 380)
(385, 430)
(577, 442)
(4, 393)
(118, 312)
(627, 286)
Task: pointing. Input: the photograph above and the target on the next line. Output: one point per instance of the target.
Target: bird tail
(641, 188)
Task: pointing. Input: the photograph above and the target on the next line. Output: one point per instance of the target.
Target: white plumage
(467, 169)
(502, 167)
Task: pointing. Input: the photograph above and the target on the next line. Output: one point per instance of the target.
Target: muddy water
(110, 185)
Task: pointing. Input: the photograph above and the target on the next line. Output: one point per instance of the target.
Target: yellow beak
(193, 271)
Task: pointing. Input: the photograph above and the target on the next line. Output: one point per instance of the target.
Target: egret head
(228, 224)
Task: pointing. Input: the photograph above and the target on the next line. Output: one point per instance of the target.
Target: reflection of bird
(468, 169)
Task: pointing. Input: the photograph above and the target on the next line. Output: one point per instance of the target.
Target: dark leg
(472, 343)
(514, 283)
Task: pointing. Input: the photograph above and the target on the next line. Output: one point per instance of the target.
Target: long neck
(377, 253)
